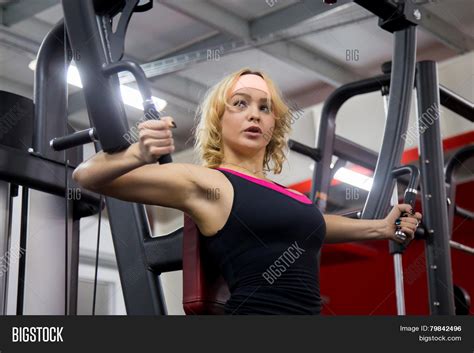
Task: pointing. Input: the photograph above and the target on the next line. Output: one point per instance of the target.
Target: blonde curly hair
(207, 132)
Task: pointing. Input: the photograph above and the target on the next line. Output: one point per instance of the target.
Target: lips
(254, 129)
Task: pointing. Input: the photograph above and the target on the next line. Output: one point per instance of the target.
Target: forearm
(104, 167)
(342, 229)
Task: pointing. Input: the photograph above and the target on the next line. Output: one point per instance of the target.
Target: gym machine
(437, 224)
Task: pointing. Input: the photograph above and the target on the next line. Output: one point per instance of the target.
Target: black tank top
(267, 251)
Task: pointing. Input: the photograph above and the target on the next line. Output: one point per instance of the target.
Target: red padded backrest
(204, 289)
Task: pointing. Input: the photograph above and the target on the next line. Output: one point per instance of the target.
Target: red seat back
(204, 289)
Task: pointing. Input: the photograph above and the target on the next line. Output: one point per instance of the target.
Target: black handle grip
(76, 139)
(151, 113)
(310, 152)
(409, 198)
(149, 108)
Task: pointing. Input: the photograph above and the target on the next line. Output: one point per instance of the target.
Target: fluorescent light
(350, 177)
(130, 96)
(353, 178)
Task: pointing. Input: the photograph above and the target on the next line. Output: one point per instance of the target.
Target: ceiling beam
(17, 43)
(181, 91)
(287, 51)
(214, 41)
(326, 70)
(22, 10)
(291, 16)
(211, 15)
(446, 32)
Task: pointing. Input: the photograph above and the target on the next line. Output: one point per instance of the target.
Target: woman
(264, 237)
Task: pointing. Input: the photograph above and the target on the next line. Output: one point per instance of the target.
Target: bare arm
(103, 167)
(342, 229)
(132, 174)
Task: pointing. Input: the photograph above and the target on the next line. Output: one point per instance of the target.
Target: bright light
(73, 77)
(350, 177)
(353, 178)
(130, 96)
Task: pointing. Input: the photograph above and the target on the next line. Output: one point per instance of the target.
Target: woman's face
(249, 108)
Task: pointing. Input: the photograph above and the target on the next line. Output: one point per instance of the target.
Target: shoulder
(209, 181)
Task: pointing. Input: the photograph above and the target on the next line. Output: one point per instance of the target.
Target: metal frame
(437, 248)
(401, 85)
(456, 103)
(140, 257)
(428, 90)
(37, 172)
(326, 141)
(452, 166)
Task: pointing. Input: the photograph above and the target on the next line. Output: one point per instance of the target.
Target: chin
(251, 147)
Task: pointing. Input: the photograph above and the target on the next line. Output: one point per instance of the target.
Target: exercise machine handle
(313, 153)
(409, 198)
(148, 106)
(75, 139)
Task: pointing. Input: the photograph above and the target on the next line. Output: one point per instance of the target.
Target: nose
(254, 112)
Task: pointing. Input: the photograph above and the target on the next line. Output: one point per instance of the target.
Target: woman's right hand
(155, 139)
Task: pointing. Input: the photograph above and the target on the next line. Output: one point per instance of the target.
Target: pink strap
(270, 185)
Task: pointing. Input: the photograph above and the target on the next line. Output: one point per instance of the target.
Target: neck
(247, 164)
(246, 167)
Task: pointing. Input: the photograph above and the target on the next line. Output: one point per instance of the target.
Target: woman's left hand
(401, 217)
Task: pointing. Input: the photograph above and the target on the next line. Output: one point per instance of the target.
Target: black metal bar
(165, 253)
(437, 249)
(23, 242)
(392, 16)
(456, 103)
(352, 214)
(456, 160)
(409, 198)
(74, 273)
(135, 70)
(452, 166)
(355, 153)
(462, 212)
(141, 287)
(327, 128)
(50, 94)
(25, 169)
(383, 9)
(77, 138)
(305, 150)
(401, 85)
(91, 36)
(144, 88)
(90, 42)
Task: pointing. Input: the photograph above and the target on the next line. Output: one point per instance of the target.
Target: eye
(265, 108)
(240, 103)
